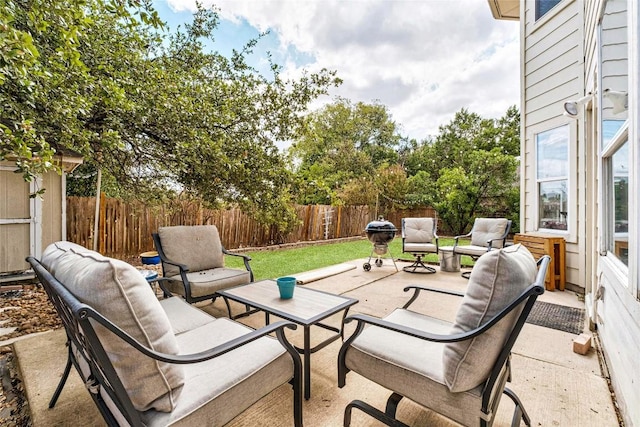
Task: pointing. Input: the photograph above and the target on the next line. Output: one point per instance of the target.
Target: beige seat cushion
(497, 278)
(418, 230)
(418, 235)
(217, 390)
(207, 282)
(485, 229)
(413, 367)
(182, 316)
(196, 246)
(471, 250)
(419, 247)
(118, 291)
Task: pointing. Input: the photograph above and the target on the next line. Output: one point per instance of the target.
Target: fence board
(126, 227)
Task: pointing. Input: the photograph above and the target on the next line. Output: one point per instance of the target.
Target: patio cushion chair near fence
(149, 362)
(193, 263)
(459, 369)
(486, 235)
(419, 238)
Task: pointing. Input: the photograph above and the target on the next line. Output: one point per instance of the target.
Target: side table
(448, 260)
(540, 244)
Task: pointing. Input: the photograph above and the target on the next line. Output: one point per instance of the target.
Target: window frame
(554, 11)
(627, 276)
(536, 9)
(620, 138)
(572, 212)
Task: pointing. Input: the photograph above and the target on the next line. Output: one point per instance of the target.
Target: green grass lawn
(282, 262)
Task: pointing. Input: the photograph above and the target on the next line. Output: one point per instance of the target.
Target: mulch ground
(29, 311)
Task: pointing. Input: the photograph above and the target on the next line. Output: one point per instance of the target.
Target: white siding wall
(561, 61)
(553, 72)
(591, 150)
(618, 311)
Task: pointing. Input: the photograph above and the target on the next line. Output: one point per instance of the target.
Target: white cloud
(423, 59)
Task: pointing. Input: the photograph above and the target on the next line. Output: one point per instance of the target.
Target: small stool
(449, 261)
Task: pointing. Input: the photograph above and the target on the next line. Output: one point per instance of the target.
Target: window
(609, 129)
(616, 163)
(544, 6)
(552, 150)
(613, 41)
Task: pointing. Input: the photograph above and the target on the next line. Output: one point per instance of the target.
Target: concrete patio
(557, 386)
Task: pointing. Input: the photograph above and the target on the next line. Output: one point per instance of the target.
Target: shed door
(16, 221)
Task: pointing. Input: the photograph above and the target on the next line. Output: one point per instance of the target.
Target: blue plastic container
(286, 285)
(150, 258)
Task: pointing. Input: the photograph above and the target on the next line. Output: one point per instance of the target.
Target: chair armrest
(464, 235)
(182, 267)
(166, 293)
(277, 327)
(362, 319)
(490, 242)
(418, 288)
(503, 237)
(227, 252)
(455, 243)
(245, 258)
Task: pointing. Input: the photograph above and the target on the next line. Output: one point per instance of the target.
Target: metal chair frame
(388, 417)
(418, 265)
(185, 281)
(79, 319)
(490, 247)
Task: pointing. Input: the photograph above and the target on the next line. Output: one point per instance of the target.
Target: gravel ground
(26, 308)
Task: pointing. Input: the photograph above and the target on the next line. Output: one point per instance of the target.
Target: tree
(155, 111)
(386, 190)
(342, 144)
(468, 170)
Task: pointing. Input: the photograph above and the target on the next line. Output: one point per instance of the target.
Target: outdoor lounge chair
(193, 262)
(486, 235)
(418, 237)
(147, 362)
(459, 369)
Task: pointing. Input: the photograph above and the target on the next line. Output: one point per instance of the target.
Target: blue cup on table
(286, 285)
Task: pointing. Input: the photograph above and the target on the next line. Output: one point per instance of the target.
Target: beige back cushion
(485, 229)
(497, 278)
(118, 291)
(196, 246)
(418, 230)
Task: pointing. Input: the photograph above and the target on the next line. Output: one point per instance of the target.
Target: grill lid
(380, 225)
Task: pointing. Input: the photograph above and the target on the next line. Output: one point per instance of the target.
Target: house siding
(553, 64)
(15, 207)
(27, 225)
(618, 315)
(617, 308)
(51, 209)
(564, 56)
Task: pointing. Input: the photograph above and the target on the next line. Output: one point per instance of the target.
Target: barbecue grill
(380, 233)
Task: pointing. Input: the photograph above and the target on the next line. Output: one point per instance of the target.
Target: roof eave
(508, 10)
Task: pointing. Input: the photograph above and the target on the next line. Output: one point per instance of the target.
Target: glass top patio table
(307, 308)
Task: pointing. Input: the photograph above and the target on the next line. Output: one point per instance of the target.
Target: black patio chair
(458, 369)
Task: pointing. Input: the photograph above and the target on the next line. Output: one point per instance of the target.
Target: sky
(423, 59)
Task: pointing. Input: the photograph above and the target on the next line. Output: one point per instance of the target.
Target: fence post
(103, 223)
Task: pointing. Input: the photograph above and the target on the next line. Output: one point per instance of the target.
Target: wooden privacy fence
(125, 227)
